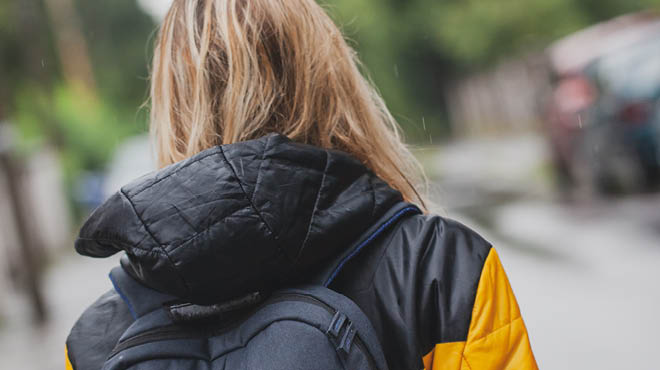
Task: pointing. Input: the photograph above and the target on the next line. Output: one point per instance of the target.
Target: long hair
(226, 71)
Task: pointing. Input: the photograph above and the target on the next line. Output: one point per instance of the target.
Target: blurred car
(622, 135)
(603, 116)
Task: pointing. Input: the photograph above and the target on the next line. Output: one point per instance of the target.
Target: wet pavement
(585, 274)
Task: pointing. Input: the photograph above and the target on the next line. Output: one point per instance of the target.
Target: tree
(415, 48)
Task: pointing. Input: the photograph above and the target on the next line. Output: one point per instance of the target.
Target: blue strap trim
(123, 297)
(373, 236)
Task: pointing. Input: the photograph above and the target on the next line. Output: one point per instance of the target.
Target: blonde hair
(226, 71)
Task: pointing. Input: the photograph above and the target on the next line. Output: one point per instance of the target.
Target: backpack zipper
(172, 332)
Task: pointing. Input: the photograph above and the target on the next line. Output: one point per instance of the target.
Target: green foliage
(397, 56)
(118, 35)
(27, 53)
(414, 49)
(84, 129)
(84, 126)
(476, 32)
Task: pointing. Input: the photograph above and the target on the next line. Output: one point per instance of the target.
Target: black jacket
(267, 213)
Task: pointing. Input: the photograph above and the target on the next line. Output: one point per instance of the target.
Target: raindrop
(43, 64)
(424, 123)
(396, 70)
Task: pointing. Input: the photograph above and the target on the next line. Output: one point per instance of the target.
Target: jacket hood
(238, 218)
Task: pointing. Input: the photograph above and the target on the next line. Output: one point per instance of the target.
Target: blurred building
(501, 100)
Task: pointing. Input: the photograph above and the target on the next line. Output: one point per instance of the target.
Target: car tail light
(574, 94)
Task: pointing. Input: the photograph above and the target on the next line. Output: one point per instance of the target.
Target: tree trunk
(30, 268)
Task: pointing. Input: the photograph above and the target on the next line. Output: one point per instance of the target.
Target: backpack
(305, 327)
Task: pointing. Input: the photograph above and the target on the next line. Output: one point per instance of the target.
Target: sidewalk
(71, 284)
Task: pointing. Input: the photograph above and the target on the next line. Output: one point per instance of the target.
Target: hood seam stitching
(316, 203)
(169, 259)
(120, 243)
(174, 171)
(199, 234)
(251, 204)
(373, 196)
(256, 184)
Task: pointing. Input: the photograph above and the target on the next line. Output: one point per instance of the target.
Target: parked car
(622, 136)
(603, 116)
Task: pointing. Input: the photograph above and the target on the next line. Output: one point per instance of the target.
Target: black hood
(238, 218)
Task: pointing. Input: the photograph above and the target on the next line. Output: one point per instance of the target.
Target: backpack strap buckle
(342, 332)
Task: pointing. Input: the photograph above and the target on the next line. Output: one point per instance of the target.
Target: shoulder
(97, 331)
(438, 250)
(432, 231)
(446, 260)
(463, 299)
(418, 281)
(422, 249)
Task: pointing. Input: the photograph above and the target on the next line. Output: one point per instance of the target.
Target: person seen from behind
(288, 215)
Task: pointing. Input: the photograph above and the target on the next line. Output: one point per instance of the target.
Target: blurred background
(538, 122)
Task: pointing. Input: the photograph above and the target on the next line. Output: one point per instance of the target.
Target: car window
(633, 72)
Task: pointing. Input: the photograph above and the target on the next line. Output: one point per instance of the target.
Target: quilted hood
(238, 218)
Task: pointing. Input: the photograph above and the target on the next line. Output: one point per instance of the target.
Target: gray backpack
(307, 327)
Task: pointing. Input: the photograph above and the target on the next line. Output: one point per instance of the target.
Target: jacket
(269, 213)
